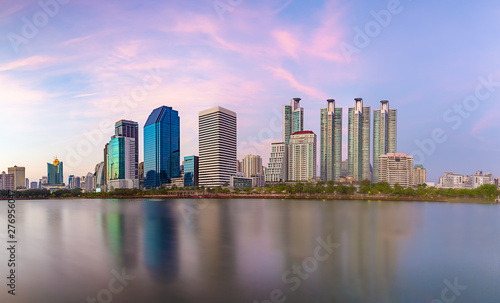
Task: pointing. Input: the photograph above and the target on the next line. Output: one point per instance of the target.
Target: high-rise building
(90, 183)
(7, 181)
(359, 141)
(302, 156)
(345, 168)
(162, 160)
(252, 165)
(217, 146)
(396, 168)
(277, 169)
(78, 182)
(293, 119)
(141, 171)
(34, 185)
(384, 134)
(99, 177)
(121, 163)
(19, 176)
(27, 183)
(71, 181)
(130, 129)
(331, 142)
(191, 171)
(55, 173)
(419, 174)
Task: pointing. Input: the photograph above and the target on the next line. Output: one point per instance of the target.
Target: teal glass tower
(191, 171)
(55, 173)
(293, 119)
(161, 147)
(384, 134)
(359, 141)
(331, 142)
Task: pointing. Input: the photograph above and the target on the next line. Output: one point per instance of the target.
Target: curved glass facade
(161, 147)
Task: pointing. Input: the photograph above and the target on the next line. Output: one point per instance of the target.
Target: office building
(161, 147)
(302, 156)
(217, 146)
(7, 181)
(384, 134)
(396, 168)
(71, 181)
(19, 176)
(277, 169)
(121, 163)
(293, 119)
(99, 177)
(331, 142)
(191, 171)
(130, 129)
(252, 165)
(34, 185)
(419, 175)
(55, 173)
(240, 182)
(359, 141)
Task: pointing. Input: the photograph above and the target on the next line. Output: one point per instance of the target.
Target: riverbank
(369, 198)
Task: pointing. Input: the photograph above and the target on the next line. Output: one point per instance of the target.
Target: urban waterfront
(237, 250)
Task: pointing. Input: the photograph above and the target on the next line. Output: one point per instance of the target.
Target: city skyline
(251, 60)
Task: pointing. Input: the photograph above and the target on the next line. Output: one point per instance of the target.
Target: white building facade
(302, 156)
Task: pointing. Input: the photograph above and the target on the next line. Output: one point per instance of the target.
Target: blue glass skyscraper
(161, 147)
(191, 171)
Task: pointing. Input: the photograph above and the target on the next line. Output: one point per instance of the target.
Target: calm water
(253, 251)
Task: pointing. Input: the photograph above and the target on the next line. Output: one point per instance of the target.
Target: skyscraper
(359, 141)
(277, 170)
(331, 142)
(252, 165)
(217, 146)
(293, 119)
(19, 176)
(191, 171)
(384, 134)
(55, 173)
(121, 163)
(302, 156)
(161, 147)
(99, 177)
(130, 129)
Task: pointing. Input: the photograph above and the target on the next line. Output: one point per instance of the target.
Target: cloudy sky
(70, 69)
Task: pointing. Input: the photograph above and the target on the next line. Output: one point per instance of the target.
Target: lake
(237, 250)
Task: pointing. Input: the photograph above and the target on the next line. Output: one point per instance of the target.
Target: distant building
(78, 182)
(451, 180)
(130, 129)
(302, 156)
(277, 169)
(34, 185)
(55, 173)
(239, 166)
(7, 181)
(240, 182)
(293, 119)
(19, 176)
(345, 168)
(141, 171)
(384, 134)
(358, 144)
(331, 142)
(191, 171)
(217, 146)
(396, 168)
(90, 183)
(161, 147)
(252, 165)
(99, 177)
(27, 183)
(477, 180)
(497, 182)
(419, 174)
(491, 178)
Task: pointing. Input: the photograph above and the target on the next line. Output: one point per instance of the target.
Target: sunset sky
(67, 74)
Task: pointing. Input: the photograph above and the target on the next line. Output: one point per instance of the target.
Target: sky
(70, 69)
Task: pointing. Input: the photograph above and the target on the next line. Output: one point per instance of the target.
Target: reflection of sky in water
(238, 250)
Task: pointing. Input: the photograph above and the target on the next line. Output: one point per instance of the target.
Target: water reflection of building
(161, 240)
(121, 232)
(370, 243)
